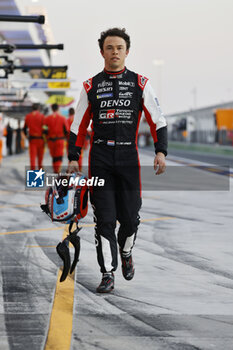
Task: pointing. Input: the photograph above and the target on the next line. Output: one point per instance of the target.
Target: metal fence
(222, 137)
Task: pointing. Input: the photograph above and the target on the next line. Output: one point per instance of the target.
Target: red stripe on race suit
(136, 142)
(89, 161)
(142, 81)
(82, 130)
(88, 85)
(151, 123)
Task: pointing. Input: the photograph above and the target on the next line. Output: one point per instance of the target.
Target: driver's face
(114, 53)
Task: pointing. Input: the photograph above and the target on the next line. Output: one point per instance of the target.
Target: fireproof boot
(127, 265)
(107, 283)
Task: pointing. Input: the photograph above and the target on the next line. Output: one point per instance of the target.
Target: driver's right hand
(72, 167)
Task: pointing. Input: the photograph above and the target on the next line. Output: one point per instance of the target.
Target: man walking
(34, 123)
(9, 138)
(56, 129)
(113, 101)
(18, 148)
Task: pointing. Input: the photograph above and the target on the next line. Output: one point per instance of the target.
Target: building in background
(19, 91)
(213, 124)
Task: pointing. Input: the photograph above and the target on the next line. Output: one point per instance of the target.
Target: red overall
(34, 122)
(57, 132)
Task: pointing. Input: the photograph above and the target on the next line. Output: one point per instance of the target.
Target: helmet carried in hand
(67, 200)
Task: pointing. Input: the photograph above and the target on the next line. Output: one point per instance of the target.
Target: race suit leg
(40, 153)
(104, 208)
(56, 151)
(128, 197)
(51, 148)
(32, 153)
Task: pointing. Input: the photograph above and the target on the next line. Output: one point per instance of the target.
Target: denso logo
(115, 103)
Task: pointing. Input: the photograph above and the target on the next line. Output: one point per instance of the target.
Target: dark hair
(35, 106)
(71, 111)
(114, 32)
(54, 107)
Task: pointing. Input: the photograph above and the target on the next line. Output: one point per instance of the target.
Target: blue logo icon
(110, 94)
(35, 178)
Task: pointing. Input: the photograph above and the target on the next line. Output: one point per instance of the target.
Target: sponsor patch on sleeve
(88, 85)
(142, 81)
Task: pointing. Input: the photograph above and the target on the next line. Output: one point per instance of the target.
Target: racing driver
(113, 102)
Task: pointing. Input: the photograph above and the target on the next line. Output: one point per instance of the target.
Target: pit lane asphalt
(181, 297)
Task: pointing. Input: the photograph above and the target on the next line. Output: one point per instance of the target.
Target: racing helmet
(67, 200)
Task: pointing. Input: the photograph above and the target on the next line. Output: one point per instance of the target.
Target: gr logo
(110, 113)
